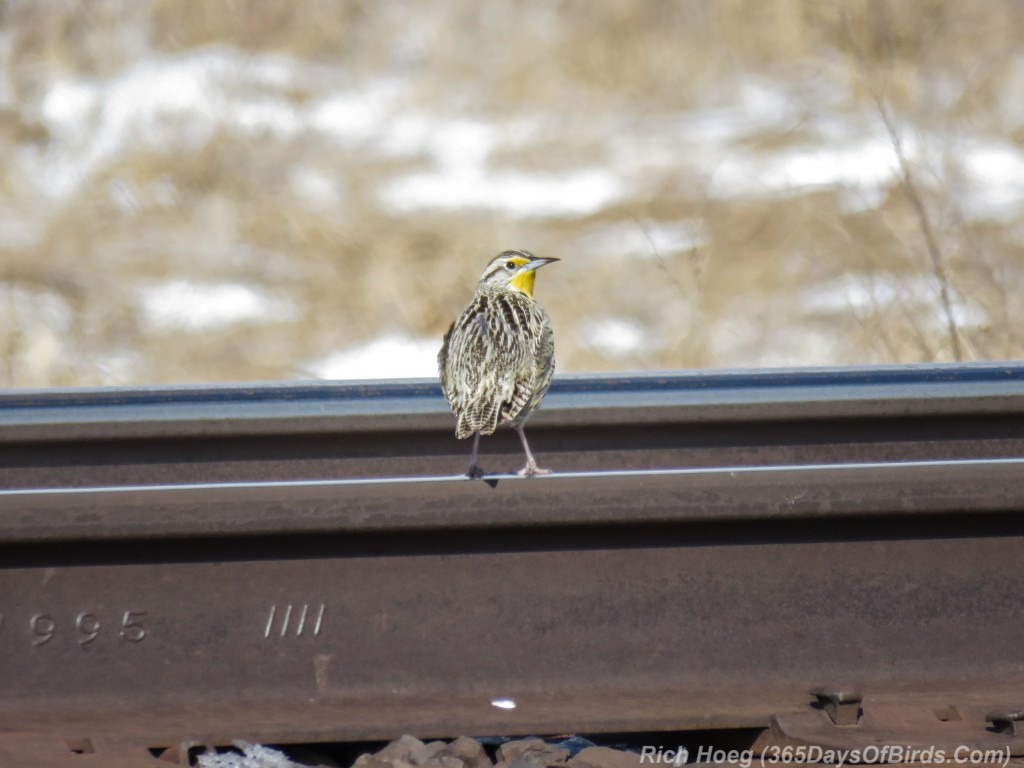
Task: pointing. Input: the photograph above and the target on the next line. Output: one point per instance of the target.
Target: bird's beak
(524, 278)
(537, 264)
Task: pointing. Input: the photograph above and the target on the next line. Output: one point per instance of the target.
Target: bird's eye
(510, 265)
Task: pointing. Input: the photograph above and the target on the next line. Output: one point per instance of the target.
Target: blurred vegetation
(286, 176)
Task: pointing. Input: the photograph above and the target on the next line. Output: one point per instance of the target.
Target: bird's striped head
(513, 270)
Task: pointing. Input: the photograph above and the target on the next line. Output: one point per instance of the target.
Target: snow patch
(576, 194)
(870, 293)
(192, 306)
(387, 357)
(995, 175)
(614, 336)
(644, 240)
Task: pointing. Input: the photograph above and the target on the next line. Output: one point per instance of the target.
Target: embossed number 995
(86, 627)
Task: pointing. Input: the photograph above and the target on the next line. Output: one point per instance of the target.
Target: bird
(498, 357)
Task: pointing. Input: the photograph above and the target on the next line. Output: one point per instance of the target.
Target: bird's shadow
(477, 473)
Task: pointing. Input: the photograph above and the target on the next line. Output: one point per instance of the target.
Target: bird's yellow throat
(524, 282)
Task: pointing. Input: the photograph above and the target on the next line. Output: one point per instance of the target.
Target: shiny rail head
(923, 490)
(492, 479)
(841, 381)
(986, 372)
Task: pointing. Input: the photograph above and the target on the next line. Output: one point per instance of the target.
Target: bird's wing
(544, 366)
(528, 323)
(482, 360)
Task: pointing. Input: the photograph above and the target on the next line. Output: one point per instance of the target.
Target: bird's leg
(531, 469)
(475, 471)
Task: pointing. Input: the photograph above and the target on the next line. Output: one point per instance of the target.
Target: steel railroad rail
(115, 436)
(301, 562)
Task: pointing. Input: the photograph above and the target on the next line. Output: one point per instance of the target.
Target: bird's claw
(533, 471)
(475, 472)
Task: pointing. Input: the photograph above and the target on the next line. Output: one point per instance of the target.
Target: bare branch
(927, 231)
(907, 179)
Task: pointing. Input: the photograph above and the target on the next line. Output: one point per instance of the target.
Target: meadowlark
(498, 357)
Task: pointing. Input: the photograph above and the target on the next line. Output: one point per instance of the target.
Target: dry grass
(771, 276)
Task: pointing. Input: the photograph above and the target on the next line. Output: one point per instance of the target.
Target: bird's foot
(532, 470)
(475, 472)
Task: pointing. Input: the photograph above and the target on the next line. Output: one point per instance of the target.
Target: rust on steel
(161, 585)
